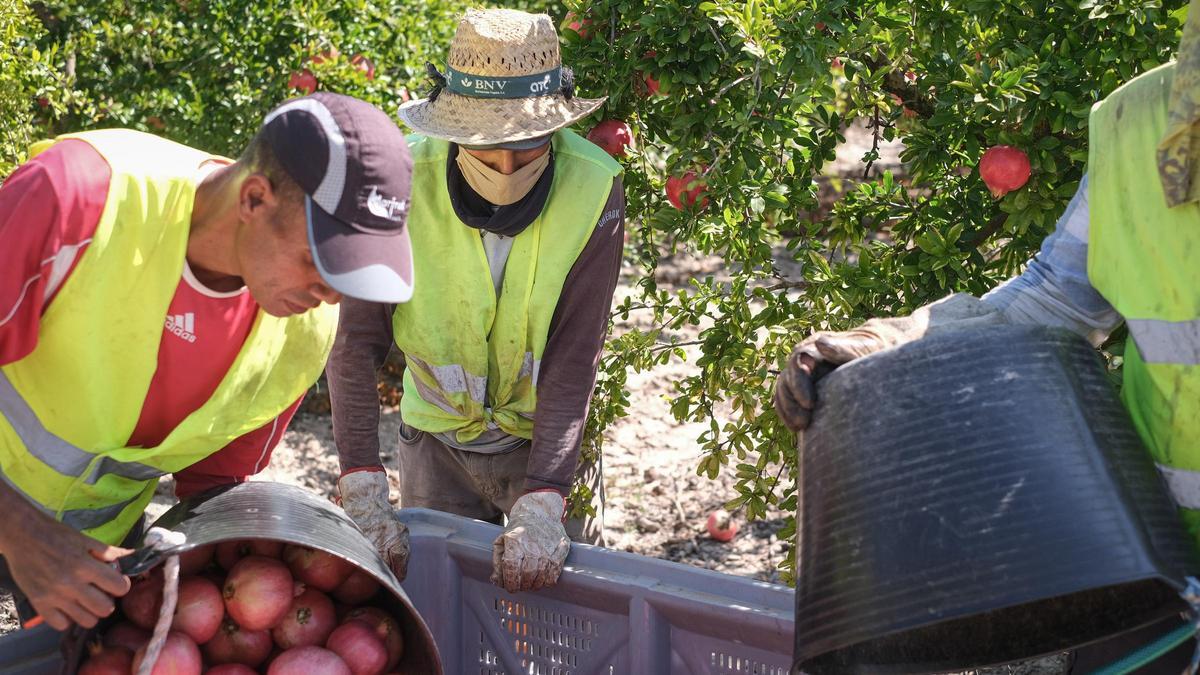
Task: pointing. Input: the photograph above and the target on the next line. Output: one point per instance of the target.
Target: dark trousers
(1093, 657)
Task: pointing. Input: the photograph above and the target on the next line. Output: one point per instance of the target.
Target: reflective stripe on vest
(1167, 341)
(68, 409)
(58, 454)
(1141, 258)
(473, 357)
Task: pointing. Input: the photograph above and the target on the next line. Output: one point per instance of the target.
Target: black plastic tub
(973, 499)
(255, 510)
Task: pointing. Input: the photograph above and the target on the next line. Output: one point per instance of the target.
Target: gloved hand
(365, 500)
(796, 391)
(530, 553)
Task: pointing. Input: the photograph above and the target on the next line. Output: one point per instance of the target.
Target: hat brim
(476, 121)
(377, 267)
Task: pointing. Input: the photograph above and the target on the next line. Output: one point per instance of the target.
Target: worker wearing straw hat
(517, 227)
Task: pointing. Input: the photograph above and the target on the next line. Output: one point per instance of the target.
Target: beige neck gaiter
(498, 188)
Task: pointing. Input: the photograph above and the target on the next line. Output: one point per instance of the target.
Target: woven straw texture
(499, 43)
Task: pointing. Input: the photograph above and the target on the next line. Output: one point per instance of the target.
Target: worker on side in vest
(1125, 250)
(162, 311)
(518, 229)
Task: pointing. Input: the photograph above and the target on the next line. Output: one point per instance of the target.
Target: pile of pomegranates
(255, 606)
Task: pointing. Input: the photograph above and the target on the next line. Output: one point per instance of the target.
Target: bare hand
(67, 576)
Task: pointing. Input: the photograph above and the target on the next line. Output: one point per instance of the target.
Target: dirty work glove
(820, 353)
(365, 499)
(530, 553)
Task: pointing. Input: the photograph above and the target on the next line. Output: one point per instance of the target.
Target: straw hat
(504, 83)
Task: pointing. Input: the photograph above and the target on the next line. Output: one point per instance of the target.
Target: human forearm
(568, 369)
(1054, 290)
(363, 340)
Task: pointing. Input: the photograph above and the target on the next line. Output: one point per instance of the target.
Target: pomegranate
(580, 26)
(126, 635)
(195, 560)
(321, 570)
(330, 54)
(357, 588)
(653, 86)
(141, 604)
(683, 191)
(303, 80)
(179, 656)
(360, 647)
(721, 525)
(230, 552)
(309, 621)
(366, 65)
(613, 136)
(231, 669)
(108, 660)
(385, 627)
(258, 592)
(199, 610)
(1004, 169)
(308, 661)
(234, 644)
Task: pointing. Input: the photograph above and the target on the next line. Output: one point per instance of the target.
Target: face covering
(498, 188)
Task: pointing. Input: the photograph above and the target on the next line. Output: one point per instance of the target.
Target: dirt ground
(656, 504)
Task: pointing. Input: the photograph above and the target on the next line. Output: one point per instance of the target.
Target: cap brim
(359, 264)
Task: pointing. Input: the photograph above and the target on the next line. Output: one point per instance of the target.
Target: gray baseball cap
(352, 162)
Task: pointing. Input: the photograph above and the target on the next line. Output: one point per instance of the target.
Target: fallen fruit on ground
(721, 525)
(1003, 169)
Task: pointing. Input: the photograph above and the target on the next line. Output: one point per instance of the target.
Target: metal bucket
(262, 510)
(973, 499)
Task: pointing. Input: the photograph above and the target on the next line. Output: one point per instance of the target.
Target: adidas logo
(183, 325)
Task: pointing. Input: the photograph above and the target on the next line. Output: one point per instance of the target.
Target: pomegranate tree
(1003, 169)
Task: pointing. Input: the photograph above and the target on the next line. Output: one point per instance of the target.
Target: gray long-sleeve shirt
(566, 377)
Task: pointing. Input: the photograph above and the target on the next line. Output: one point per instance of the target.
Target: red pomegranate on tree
(580, 26)
(613, 136)
(683, 191)
(653, 86)
(1003, 169)
(303, 80)
(366, 65)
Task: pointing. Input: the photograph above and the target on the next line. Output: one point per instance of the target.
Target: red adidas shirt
(49, 209)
